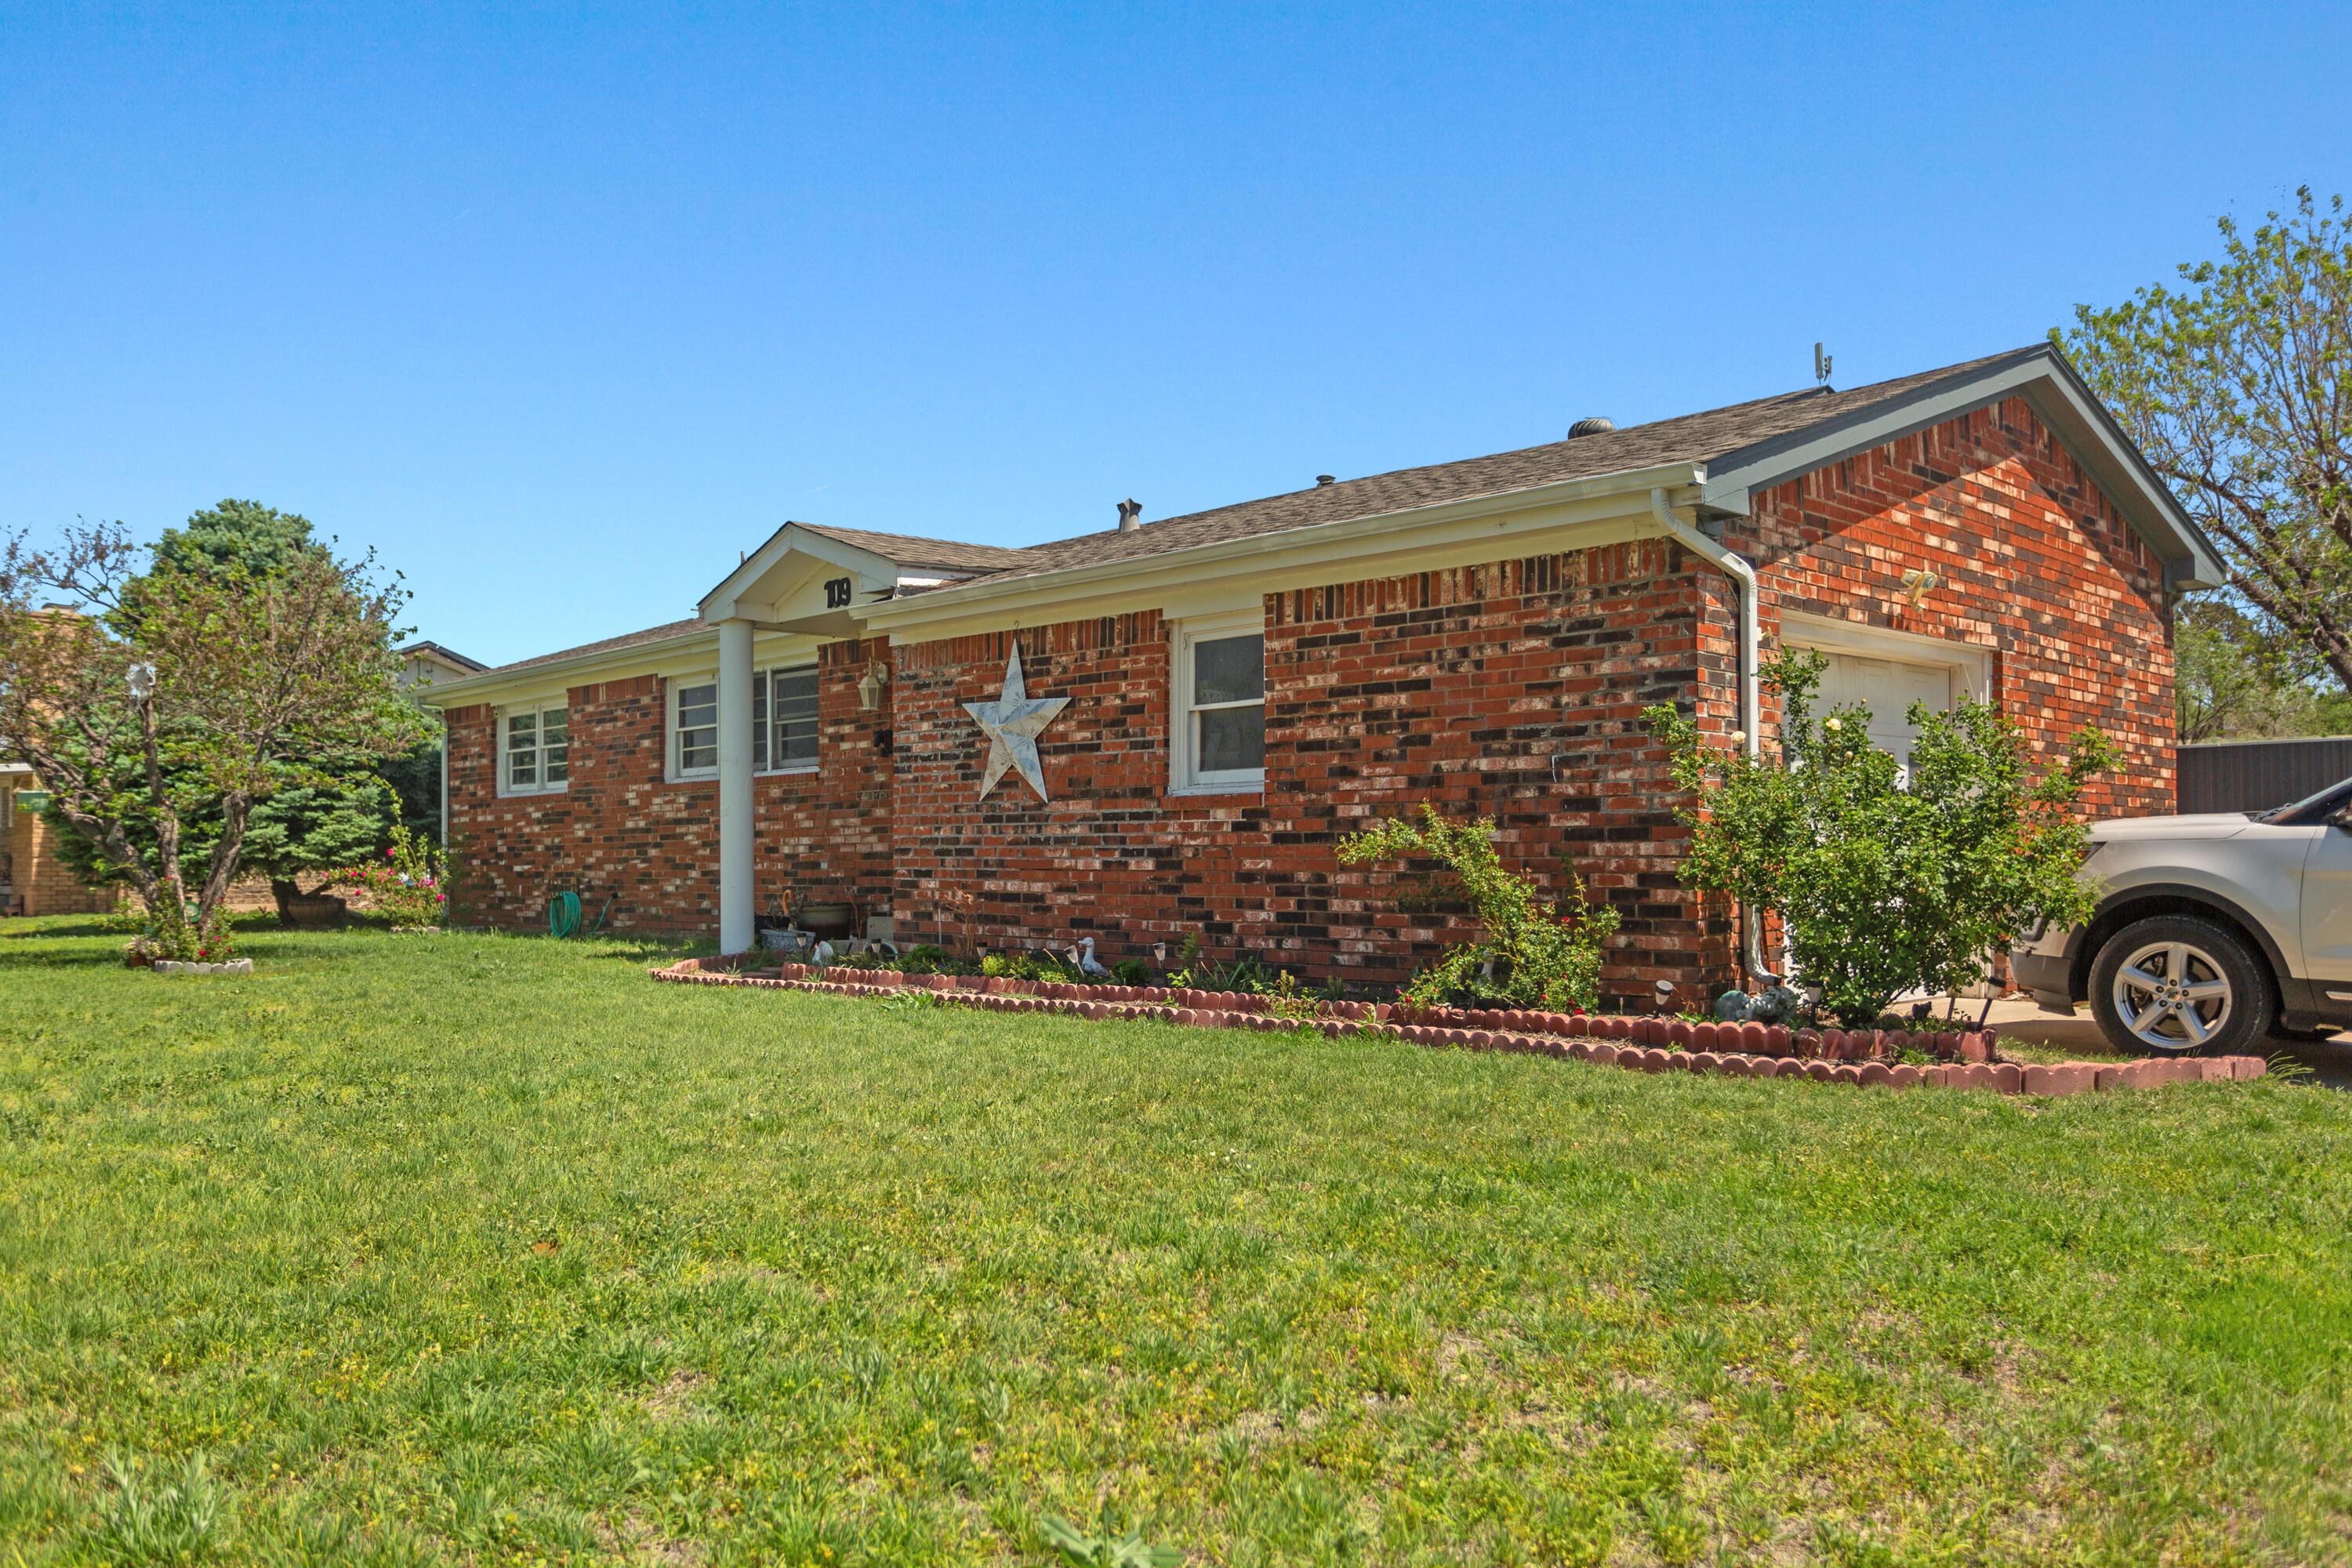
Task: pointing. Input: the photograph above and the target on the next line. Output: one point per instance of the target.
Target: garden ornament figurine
(1774, 1004)
(1088, 964)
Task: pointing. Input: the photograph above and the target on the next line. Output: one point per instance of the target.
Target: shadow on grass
(96, 925)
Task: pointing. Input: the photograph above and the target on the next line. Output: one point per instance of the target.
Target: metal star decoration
(1012, 723)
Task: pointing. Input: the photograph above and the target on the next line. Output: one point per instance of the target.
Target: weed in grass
(161, 1513)
(1082, 1550)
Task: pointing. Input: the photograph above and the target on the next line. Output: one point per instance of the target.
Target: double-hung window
(536, 754)
(1218, 712)
(784, 720)
(783, 724)
(694, 729)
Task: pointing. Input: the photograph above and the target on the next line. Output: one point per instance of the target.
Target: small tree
(2238, 385)
(1532, 955)
(1887, 882)
(310, 824)
(148, 700)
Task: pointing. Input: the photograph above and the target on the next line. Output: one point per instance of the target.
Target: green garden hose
(564, 912)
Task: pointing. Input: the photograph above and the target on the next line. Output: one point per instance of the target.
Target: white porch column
(735, 933)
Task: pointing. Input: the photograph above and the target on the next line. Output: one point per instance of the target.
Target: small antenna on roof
(1821, 366)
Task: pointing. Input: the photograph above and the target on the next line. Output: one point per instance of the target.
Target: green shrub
(174, 936)
(1887, 882)
(1533, 954)
(1031, 966)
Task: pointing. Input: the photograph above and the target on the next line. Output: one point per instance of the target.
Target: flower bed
(1964, 1060)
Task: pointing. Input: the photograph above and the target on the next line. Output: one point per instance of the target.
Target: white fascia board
(2042, 376)
(722, 603)
(688, 653)
(1569, 514)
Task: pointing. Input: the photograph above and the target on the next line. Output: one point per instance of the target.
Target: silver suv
(2214, 933)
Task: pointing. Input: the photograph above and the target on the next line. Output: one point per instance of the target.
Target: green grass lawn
(487, 1250)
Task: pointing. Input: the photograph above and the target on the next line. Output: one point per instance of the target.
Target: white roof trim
(2041, 375)
(880, 572)
(1339, 544)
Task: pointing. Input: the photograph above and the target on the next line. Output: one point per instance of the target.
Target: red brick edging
(1733, 1050)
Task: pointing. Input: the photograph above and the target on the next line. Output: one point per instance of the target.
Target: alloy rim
(2173, 997)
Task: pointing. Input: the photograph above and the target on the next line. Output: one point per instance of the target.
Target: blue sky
(559, 309)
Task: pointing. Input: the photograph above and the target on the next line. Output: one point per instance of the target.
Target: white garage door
(1888, 687)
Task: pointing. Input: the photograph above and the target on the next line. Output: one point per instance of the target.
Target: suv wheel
(2174, 985)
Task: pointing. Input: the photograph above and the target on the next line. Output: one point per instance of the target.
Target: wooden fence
(2254, 775)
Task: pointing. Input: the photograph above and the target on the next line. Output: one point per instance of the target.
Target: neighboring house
(33, 879)
(1216, 699)
(430, 664)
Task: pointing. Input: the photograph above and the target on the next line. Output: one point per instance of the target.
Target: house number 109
(836, 594)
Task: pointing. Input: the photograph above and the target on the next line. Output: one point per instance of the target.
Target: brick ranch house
(1226, 694)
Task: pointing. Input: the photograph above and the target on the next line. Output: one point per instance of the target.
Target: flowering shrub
(409, 886)
(1533, 954)
(1889, 880)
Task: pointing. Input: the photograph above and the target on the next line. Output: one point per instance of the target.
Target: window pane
(796, 717)
(1231, 739)
(1229, 669)
(559, 763)
(555, 726)
(698, 727)
(759, 720)
(522, 751)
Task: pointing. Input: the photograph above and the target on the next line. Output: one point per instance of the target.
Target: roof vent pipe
(1130, 512)
(1598, 425)
(1321, 480)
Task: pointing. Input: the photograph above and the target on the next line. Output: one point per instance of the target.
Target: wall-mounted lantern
(871, 684)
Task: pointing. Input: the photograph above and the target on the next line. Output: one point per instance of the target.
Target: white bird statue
(1088, 964)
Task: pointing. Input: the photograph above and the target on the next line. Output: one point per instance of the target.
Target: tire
(2192, 987)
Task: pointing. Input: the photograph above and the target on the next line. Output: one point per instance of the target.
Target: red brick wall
(1113, 854)
(620, 829)
(2036, 565)
(1511, 690)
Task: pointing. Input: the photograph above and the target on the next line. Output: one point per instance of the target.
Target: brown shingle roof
(1690, 437)
(662, 633)
(909, 551)
(1699, 437)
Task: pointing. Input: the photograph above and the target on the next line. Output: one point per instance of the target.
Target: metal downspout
(1751, 711)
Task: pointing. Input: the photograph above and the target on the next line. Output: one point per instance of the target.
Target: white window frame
(673, 752)
(674, 766)
(1183, 776)
(537, 712)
